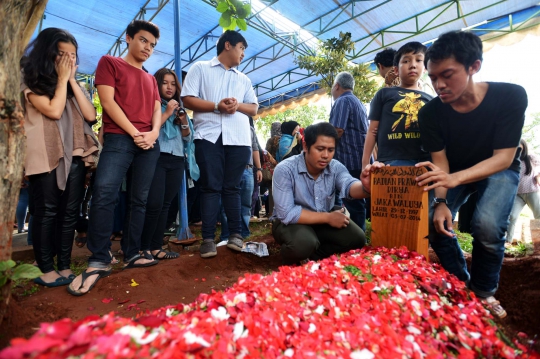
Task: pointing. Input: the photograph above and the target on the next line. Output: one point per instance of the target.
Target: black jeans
(318, 241)
(119, 155)
(168, 179)
(221, 169)
(55, 214)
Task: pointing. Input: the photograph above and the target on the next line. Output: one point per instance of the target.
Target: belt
(249, 166)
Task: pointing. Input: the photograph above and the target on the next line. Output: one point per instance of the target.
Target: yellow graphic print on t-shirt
(409, 108)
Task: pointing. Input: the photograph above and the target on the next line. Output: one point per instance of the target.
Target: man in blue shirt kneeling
(305, 222)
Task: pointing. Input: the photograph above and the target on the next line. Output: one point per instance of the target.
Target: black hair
(464, 46)
(160, 75)
(288, 127)
(39, 61)
(312, 132)
(137, 25)
(233, 37)
(414, 46)
(385, 57)
(525, 157)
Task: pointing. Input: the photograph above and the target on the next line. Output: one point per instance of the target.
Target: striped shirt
(210, 81)
(527, 183)
(295, 189)
(349, 114)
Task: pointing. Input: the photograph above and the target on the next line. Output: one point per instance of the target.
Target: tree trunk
(18, 19)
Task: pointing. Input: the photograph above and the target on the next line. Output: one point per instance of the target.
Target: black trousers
(55, 215)
(167, 181)
(318, 241)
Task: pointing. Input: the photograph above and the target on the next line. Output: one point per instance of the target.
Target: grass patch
(24, 288)
(520, 249)
(260, 229)
(465, 241)
(368, 232)
(515, 250)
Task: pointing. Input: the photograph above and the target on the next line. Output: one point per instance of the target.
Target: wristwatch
(184, 127)
(258, 169)
(437, 201)
(216, 110)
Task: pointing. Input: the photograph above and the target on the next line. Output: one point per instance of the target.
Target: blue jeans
(221, 169)
(356, 207)
(22, 207)
(489, 222)
(246, 191)
(119, 155)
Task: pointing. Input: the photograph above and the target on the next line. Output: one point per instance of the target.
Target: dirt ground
(183, 279)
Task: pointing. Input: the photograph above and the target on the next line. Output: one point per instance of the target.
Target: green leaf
(233, 24)
(246, 10)
(27, 271)
(237, 4)
(225, 20)
(241, 24)
(3, 280)
(5, 265)
(222, 7)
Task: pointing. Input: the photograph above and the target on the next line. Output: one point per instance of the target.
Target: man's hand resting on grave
(362, 189)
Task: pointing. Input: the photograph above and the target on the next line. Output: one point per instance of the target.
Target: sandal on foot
(132, 263)
(60, 281)
(102, 273)
(168, 255)
(494, 307)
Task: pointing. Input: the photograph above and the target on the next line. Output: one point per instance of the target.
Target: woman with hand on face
(169, 174)
(290, 143)
(60, 145)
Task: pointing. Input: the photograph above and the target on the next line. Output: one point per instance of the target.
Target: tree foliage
(330, 59)
(304, 115)
(529, 132)
(233, 14)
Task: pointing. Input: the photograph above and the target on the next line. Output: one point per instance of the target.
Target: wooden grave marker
(399, 209)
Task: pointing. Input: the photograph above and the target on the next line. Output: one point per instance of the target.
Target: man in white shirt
(221, 98)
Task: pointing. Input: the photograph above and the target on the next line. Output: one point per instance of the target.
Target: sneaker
(494, 306)
(236, 242)
(208, 249)
(171, 231)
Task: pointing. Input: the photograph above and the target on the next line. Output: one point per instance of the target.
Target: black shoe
(208, 249)
(171, 230)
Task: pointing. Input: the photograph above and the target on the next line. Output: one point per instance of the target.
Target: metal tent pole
(183, 229)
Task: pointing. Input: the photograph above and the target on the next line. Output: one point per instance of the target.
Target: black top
(470, 138)
(398, 135)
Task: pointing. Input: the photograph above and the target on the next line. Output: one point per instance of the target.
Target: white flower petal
(362, 354)
(289, 353)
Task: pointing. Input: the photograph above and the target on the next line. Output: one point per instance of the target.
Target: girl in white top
(528, 189)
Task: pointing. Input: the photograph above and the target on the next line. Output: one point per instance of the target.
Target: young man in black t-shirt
(472, 131)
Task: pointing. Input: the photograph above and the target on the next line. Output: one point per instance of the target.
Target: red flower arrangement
(373, 303)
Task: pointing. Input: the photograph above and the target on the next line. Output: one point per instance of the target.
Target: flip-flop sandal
(102, 273)
(146, 255)
(168, 255)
